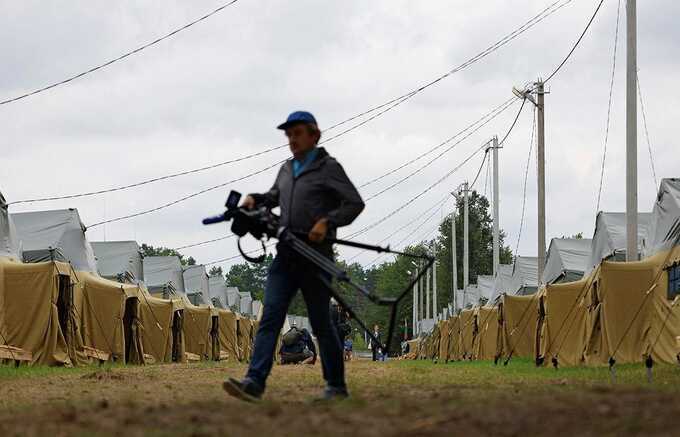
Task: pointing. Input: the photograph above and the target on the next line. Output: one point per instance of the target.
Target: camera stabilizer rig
(263, 224)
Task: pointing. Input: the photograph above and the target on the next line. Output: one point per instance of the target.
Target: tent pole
(631, 133)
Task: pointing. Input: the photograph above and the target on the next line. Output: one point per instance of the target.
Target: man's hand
(248, 202)
(319, 231)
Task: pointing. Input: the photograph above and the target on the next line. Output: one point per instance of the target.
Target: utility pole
(434, 284)
(496, 218)
(540, 156)
(466, 242)
(631, 133)
(415, 305)
(454, 262)
(427, 293)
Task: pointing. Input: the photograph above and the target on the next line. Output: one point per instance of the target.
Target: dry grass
(394, 398)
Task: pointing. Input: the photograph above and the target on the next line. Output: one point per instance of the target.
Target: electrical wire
(644, 123)
(185, 198)
(486, 154)
(609, 106)
(578, 41)
(436, 158)
(439, 181)
(415, 219)
(119, 58)
(526, 177)
(389, 105)
(418, 196)
(491, 113)
(200, 243)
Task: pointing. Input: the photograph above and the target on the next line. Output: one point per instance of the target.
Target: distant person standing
(376, 347)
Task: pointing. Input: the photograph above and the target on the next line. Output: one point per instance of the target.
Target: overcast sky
(217, 91)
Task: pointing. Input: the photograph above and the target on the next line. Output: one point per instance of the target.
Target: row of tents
(64, 301)
(591, 308)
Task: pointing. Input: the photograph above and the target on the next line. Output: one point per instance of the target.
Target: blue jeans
(287, 274)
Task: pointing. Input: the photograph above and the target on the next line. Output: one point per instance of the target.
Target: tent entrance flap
(177, 328)
(134, 353)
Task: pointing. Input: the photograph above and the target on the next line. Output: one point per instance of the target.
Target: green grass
(524, 371)
(10, 371)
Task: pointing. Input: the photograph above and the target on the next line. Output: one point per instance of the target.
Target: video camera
(262, 223)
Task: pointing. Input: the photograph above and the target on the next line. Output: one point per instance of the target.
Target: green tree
(250, 277)
(149, 250)
(216, 271)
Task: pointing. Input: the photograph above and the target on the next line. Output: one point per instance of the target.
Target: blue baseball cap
(296, 118)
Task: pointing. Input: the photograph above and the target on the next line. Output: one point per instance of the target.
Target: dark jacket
(321, 190)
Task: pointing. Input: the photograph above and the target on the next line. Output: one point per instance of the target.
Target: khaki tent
(562, 322)
(33, 313)
(197, 329)
(245, 337)
(630, 315)
(486, 341)
(444, 335)
(160, 328)
(109, 317)
(454, 338)
(518, 326)
(227, 334)
(467, 333)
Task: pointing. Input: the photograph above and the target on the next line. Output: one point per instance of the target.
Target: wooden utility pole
(631, 133)
(540, 157)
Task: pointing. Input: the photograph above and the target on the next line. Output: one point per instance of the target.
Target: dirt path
(388, 400)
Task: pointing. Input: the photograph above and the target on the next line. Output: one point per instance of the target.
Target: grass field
(415, 398)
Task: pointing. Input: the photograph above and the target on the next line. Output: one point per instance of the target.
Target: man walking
(316, 197)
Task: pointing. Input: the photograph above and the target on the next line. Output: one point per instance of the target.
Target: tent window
(674, 281)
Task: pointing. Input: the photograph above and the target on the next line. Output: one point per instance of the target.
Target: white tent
(486, 286)
(465, 298)
(567, 259)
(196, 281)
(57, 234)
(161, 271)
(664, 224)
(609, 240)
(9, 242)
(234, 297)
(524, 276)
(119, 260)
(246, 303)
(218, 291)
(502, 281)
(257, 307)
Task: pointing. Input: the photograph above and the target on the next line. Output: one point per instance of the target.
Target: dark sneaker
(245, 390)
(331, 394)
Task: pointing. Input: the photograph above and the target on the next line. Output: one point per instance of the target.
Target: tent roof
(9, 242)
(486, 285)
(609, 238)
(61, 230)
(161, 270)
(196, 280)
(118, 257)
(524, 274)
(218, 290)
(665, 221)
(566, 255)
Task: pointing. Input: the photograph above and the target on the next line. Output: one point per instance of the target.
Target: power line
(578, 41)
(389, 105)
(526, 177)
(436, 158)
(644, 123)
(175, 202)
(491, 113)
(609, 106)
(481, 167)
(439, 181)
(419, 195)
(205, 242)
(119, 58)
(415, 219)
